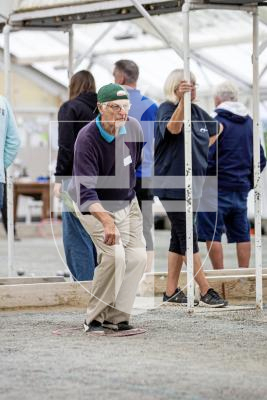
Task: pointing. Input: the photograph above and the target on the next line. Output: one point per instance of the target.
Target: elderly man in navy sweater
(107, 154)
(232, 162)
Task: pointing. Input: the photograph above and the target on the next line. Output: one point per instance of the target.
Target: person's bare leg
(175, 263)
(215, 254)
(199, 274)
(243, 251)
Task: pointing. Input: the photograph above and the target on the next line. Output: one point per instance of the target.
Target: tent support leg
(71, 51)
(9, 177)
(188, 162)
(256, 156)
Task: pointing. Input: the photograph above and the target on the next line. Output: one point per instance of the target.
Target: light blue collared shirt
(9, 137)
(105, 135)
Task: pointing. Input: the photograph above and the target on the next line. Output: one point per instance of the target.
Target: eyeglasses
(117, 107)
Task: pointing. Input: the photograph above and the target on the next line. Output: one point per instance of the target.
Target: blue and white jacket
(9, 139)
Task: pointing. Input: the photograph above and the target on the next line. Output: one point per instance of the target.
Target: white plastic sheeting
(222, 37)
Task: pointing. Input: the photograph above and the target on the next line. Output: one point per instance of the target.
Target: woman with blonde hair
(73, 115)
(170, 164)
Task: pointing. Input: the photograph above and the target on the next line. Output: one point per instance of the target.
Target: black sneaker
(178, 297)
(110, 325)
(212, 299)
(121, 326)
(124, 326)
(94, 327)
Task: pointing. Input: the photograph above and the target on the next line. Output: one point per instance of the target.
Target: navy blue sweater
(107, 169)
(235, 151)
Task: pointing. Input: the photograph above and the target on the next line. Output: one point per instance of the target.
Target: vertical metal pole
(188, 161)
(256, 156)
(10, 205)
(71, 48)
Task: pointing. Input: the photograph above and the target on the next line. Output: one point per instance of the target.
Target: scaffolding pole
(188, 161)
(188, 145)
(9, 178)
(71, 50)
(256, 157)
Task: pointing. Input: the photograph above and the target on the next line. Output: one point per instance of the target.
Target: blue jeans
(79, 249)
(1, 195)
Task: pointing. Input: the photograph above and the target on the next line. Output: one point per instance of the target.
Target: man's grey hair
(130, 70)
(226, 91)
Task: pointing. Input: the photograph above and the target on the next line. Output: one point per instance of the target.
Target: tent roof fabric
(230, 49)
(59, 13)
(26, 5)
(62, 14)
(222, 38)
(30, 5)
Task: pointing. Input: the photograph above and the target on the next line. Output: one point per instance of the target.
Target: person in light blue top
(9, 141)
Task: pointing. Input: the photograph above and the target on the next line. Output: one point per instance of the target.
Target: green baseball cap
(112, 92)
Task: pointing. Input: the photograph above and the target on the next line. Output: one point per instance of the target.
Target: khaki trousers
(120, 267)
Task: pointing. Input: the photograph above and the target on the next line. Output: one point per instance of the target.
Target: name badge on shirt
(127, 160)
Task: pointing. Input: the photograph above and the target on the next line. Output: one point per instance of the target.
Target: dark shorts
(145, 199)
(178, 228)
(231, 219)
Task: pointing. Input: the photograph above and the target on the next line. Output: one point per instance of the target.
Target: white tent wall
(6, 8)
(34, 110)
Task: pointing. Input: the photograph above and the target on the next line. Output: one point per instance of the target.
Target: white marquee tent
(99, 32)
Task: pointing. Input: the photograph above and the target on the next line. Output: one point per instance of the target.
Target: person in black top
(170, 179)
(73, 115)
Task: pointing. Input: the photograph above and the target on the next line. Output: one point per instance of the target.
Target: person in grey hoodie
(231, 160)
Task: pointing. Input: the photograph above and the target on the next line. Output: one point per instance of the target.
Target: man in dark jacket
(231, 160)
(73, 115)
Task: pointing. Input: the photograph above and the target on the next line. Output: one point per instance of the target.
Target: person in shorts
(231, 161)
(170, 167)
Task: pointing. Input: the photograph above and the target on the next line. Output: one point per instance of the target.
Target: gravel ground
(205, 356)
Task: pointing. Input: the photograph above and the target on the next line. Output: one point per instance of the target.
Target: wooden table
(33, 189)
